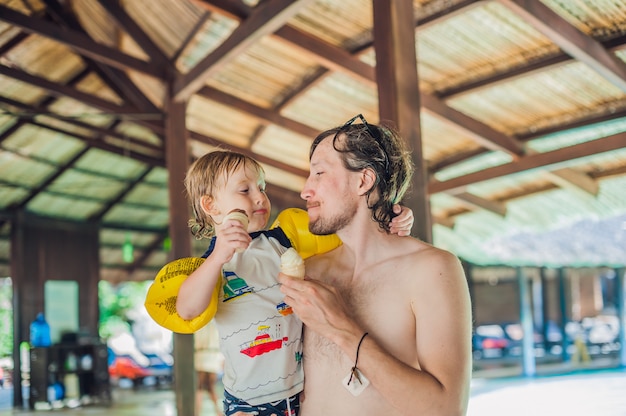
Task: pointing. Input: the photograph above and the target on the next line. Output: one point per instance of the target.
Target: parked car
(489, 341)
(125, 369)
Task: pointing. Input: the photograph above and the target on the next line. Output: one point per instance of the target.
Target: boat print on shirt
(263, 342)
(234, 286)
(284, 309)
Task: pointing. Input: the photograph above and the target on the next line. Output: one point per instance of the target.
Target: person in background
(260, 337)
(387, 319)
(209, 363)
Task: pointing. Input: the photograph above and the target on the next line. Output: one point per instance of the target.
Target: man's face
(329, 191)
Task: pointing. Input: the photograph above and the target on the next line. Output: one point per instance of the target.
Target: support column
(564, 315)
(620, 286)
(177, 162)
(399, 96)
(526, 318)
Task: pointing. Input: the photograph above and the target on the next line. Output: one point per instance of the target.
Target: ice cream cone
(292, 264)
(238, 215)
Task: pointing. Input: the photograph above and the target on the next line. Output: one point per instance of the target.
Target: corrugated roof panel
(222, 122)
(441, 139)
(43, 144)
(97, 22)
(93, 84)
(158, 176)
(541, 100)
(22, 171)
(284, 145)
(483, 40)
(139, 132)
(579, 135)
(284, 179)
(67, 125)
(132, 214)
(341, 23)
(85, 185)
(216, 29)
(474, 164)
(515, 184)
(598, 18)
(11, 194)
(166, 22)
(149, 195)
(56, 206)
(80, 111)
(334, 100)
(19, 91)
(110, 164)
(441, 203)
(265, 73)
(45, 58)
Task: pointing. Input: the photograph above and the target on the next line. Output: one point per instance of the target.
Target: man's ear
(208, 205)
(367, 181)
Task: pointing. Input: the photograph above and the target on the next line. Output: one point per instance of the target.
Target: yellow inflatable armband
(295, 223)
(161, 297)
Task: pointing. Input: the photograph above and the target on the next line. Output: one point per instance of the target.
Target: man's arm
(442, 313)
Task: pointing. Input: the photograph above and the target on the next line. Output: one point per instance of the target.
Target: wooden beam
(399, 96)
(483, 134)
(264, 115)
(572, 179)
(79, 42)
(264, 20)
(574, 42)
(263, 159)
(129, 25)
(474, 201)
(538, 160)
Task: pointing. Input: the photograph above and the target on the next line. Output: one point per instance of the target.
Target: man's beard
(326, 226)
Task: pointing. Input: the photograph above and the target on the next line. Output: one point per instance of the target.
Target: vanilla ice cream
(238, 215)
(292, 264)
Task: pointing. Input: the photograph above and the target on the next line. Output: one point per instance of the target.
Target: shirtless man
(394, 311)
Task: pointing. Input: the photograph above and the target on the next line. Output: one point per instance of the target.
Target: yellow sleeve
(161, 297)
(295, 223)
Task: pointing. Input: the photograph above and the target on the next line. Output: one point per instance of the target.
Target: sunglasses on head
(372, 131)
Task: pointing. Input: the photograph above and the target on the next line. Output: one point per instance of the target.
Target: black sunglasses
(373, 132)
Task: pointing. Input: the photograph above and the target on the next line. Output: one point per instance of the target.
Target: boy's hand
(403, 222)
(231, 237)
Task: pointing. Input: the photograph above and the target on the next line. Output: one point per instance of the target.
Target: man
(387, 319)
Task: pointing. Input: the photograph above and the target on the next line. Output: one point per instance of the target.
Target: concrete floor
(578, 392)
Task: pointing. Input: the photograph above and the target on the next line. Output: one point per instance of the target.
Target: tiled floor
(578, 393)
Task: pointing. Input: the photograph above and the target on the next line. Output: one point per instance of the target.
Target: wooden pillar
(177, 161)
(399, 97)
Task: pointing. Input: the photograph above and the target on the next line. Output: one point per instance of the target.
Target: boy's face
(244, 190)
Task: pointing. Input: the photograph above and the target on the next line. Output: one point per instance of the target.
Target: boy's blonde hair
(205, 176)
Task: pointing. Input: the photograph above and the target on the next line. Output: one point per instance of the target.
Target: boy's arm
(196, 292)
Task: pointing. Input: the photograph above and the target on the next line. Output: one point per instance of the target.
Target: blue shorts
(233, 405)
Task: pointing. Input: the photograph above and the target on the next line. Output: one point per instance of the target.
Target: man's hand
(318, 305)
(403, 222)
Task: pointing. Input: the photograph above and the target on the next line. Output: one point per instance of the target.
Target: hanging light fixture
(128, 249)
